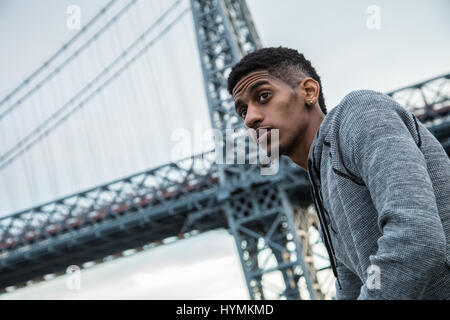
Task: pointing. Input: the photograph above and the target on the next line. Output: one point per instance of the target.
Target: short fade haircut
(285, 64)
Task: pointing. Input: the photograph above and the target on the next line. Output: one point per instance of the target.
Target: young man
(380, 180)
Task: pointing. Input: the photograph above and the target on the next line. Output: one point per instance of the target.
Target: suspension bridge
(169, 202)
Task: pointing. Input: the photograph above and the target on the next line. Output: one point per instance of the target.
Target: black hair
(285, 64)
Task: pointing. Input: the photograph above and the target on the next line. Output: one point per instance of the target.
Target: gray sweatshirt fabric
(381, 185)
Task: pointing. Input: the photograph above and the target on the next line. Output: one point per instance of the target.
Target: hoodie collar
(315, 150)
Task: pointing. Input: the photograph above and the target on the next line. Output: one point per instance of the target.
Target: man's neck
(300, 154)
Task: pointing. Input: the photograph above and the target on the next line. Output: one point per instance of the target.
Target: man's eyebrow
(256, 85)
(252, 88)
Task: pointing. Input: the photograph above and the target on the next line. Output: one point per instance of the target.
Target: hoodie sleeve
(385, 143)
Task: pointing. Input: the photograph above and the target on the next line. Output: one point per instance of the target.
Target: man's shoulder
(354, 101)
(362, 94)
(363, 99)
(364, 112)
(365, 104)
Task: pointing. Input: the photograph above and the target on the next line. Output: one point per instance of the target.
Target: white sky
(128, 127)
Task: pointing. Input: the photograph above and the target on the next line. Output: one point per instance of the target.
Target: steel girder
(261, 221)
(429, 100)
(156, 189)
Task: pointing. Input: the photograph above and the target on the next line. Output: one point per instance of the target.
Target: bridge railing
(152, 188)
(428, 99)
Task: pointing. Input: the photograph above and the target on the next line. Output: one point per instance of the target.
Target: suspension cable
(62, 64)
(57, 53)
(38, 133)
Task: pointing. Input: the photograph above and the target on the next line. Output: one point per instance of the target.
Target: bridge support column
(262, 224)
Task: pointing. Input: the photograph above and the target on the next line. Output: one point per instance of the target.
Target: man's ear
(311, 89)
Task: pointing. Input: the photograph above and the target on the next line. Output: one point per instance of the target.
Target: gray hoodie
(381, 187)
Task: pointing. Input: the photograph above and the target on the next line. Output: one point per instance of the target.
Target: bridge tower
(261, 218)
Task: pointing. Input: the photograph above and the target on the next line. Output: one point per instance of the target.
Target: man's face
(266, 102)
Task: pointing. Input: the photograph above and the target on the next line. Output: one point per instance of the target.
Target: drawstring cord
(326, 232)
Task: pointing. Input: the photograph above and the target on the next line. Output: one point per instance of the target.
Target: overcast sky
(127, 128)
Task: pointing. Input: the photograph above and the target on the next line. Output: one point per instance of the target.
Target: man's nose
(252, 117)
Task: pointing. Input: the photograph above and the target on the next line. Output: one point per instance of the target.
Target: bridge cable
(24, 145)
(64, 63)
(55, 55)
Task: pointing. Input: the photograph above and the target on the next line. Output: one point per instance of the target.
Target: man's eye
(243, 112)
(264, 96)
